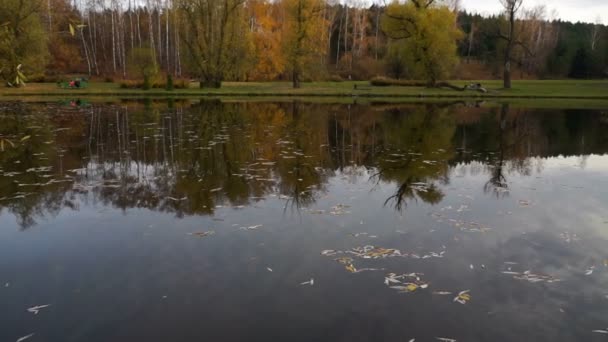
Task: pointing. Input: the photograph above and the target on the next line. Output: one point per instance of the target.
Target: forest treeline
(297, 40)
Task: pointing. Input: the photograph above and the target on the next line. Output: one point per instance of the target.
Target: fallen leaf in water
(600, 331)
(531, 277)
(524, 203)
(388, 281)
(345, 260)
(350, 268)
(202, 234)
(27, 137)
(37, 308)
(442, 293)
(444, 339)
(357, 234)
(330, 252)
(371, 252)
(20, 339)
(463, 297)
(589, 271)
(269, 269)
(256, 227)
(311, 282)
(410, 287)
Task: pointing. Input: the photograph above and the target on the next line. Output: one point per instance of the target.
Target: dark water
(98, 205)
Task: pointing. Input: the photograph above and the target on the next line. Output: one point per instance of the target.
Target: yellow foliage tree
(23, 41)
(214, 37)
(426, 33)
(266, 34)
(304, 38)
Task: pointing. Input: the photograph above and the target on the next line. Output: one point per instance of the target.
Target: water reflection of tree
(189, 159)
(211, 154)
(498, 184)
(30, 191)
(417, 148)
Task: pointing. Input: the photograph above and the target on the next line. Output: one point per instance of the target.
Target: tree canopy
(23, 45)
(427, 38)
(298, 40)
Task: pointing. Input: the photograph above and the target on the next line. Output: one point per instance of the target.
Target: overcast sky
(570, 10)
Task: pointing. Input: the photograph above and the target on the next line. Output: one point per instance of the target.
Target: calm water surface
(207, 221)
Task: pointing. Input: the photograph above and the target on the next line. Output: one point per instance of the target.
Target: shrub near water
(387, 82)
(147, 84)
(155, 84)
(169, 86)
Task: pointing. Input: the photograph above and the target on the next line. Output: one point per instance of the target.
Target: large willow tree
(426, 34)
(304, 39)
(23, 40)
(214, 31)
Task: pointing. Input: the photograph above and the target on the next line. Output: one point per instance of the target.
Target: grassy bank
(562, 89)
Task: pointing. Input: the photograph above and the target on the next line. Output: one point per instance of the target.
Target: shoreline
(542, 91)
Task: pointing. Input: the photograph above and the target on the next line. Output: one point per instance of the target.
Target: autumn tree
(212, 35)
(426, 34)
(511, 8)
(266, 33)
(141, 61)
(304, 39)
(61, 20)
(22, 39)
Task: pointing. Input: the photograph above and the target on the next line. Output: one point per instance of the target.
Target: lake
(294, 221)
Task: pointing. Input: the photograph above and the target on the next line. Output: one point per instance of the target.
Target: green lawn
(558, 89)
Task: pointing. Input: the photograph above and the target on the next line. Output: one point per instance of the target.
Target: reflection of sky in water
(135, 274)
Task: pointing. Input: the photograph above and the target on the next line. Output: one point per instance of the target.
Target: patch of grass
(555, 89)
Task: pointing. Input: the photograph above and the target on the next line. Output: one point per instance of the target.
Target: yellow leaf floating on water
(411, 287)
(345, 260)
(27, 137)
(350, 268)
(463, 297)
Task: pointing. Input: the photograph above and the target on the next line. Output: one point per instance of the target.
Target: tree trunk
(138, 27)
(50, 17)
(113, 42)
(339, 38)
(131, 26)
(296, 79)
(508, 50)
(212, 82)
(86, 50)
(377, 29)
(168, 59)
(470, 49)
(151, 31)
(93, 39)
